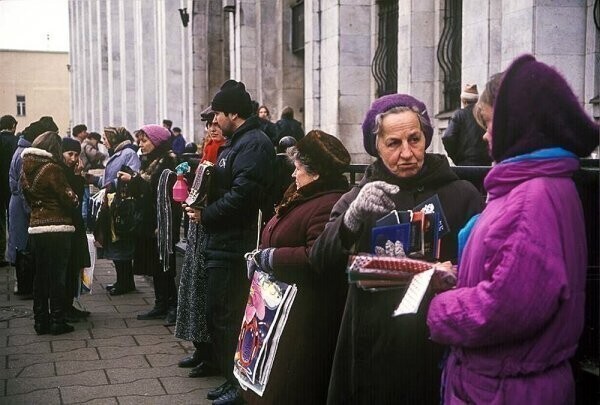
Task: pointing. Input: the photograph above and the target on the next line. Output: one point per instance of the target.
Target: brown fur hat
(325, 153)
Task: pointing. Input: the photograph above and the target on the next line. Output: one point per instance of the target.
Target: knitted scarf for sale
(164, 217)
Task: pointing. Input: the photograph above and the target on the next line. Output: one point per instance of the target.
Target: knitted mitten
(373, 198)
(264, 258)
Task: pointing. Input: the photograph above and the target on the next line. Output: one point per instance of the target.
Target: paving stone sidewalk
(111, 359)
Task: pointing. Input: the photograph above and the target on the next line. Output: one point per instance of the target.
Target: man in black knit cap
(241, 184)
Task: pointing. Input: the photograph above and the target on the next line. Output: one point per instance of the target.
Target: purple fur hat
(536, 109)
(386, 103)
(156, 133)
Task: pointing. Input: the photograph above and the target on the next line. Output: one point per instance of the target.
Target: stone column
(552, 31)
(338, 79)
(417, 64)
(210, 65)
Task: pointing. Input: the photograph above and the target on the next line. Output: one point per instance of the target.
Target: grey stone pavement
(111, 359)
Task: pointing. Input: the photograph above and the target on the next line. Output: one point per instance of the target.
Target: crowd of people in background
(282, 195)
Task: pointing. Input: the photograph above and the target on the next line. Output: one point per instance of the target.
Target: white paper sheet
(414, 293)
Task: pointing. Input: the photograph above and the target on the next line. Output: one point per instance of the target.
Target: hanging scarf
(211, 150)
(164, 217)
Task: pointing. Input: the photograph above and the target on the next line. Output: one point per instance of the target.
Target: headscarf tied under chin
(116, 135)
(536, 109)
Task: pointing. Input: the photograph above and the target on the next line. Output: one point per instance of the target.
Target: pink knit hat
(156, 133)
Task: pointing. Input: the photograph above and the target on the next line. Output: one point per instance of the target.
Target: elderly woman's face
(401, 144)
(301, 176)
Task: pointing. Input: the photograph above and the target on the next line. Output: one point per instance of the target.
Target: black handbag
(126, 214)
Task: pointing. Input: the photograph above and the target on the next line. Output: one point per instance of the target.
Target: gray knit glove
(373, 198)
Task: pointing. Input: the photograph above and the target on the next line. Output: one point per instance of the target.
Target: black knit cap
(325, 153)
(71, 145)
(233, 98)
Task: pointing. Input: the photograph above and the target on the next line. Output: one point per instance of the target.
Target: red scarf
(211, 149)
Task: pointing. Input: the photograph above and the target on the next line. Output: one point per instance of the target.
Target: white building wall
(131, 63)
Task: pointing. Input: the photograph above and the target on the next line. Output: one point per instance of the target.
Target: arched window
(449, 53)
(385, 60)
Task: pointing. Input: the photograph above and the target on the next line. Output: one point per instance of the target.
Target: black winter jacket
(8, 145)
(380, 359)
(463, 140)
(240, 187)
(289, 127)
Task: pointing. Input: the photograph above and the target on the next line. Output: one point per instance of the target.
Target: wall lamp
(185, 17)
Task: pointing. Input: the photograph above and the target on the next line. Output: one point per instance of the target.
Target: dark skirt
(193, 286)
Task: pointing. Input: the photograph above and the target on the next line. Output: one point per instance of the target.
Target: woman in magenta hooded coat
(515, 318)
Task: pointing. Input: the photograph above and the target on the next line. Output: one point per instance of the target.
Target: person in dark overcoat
(300, 372)
(80, 255)
(382, 359)
(155, 144)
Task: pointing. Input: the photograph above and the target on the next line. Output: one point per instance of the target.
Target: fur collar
(294, 197)
(36, 152)
(151, 166)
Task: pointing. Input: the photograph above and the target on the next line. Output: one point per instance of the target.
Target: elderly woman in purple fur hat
(515, 318)
(380, 359)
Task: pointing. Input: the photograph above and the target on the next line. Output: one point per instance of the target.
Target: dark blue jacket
(240, 186)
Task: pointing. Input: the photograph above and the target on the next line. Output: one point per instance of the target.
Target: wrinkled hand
(444, 277)
(194, 214)
(251, 265)
(373, 198)
(259, 260)
(392, 249)
(123, 176)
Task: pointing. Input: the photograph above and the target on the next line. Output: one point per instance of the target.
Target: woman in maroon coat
(300, 373)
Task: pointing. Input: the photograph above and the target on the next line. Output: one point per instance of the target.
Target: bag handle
(258, 226)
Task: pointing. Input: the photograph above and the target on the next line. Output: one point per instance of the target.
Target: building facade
(131, 63)
(134, 62)
(34, 84)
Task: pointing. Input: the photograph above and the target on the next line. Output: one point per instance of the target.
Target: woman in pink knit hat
(155, 145)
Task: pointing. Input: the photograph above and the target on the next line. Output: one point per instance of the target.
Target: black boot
(58, 326)
(232, 395)
(41, 316)
(158, 312)
(171, 318)
(124, 282)
(24, 280)
(161, 302)
(220, 390)
(190, 361)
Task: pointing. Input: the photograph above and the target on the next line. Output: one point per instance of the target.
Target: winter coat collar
(36, 152)
(248, 125)
(23, 143)
(434, 173)
(155, 161)
(123, 145)
(505, 176)
(294, 197)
